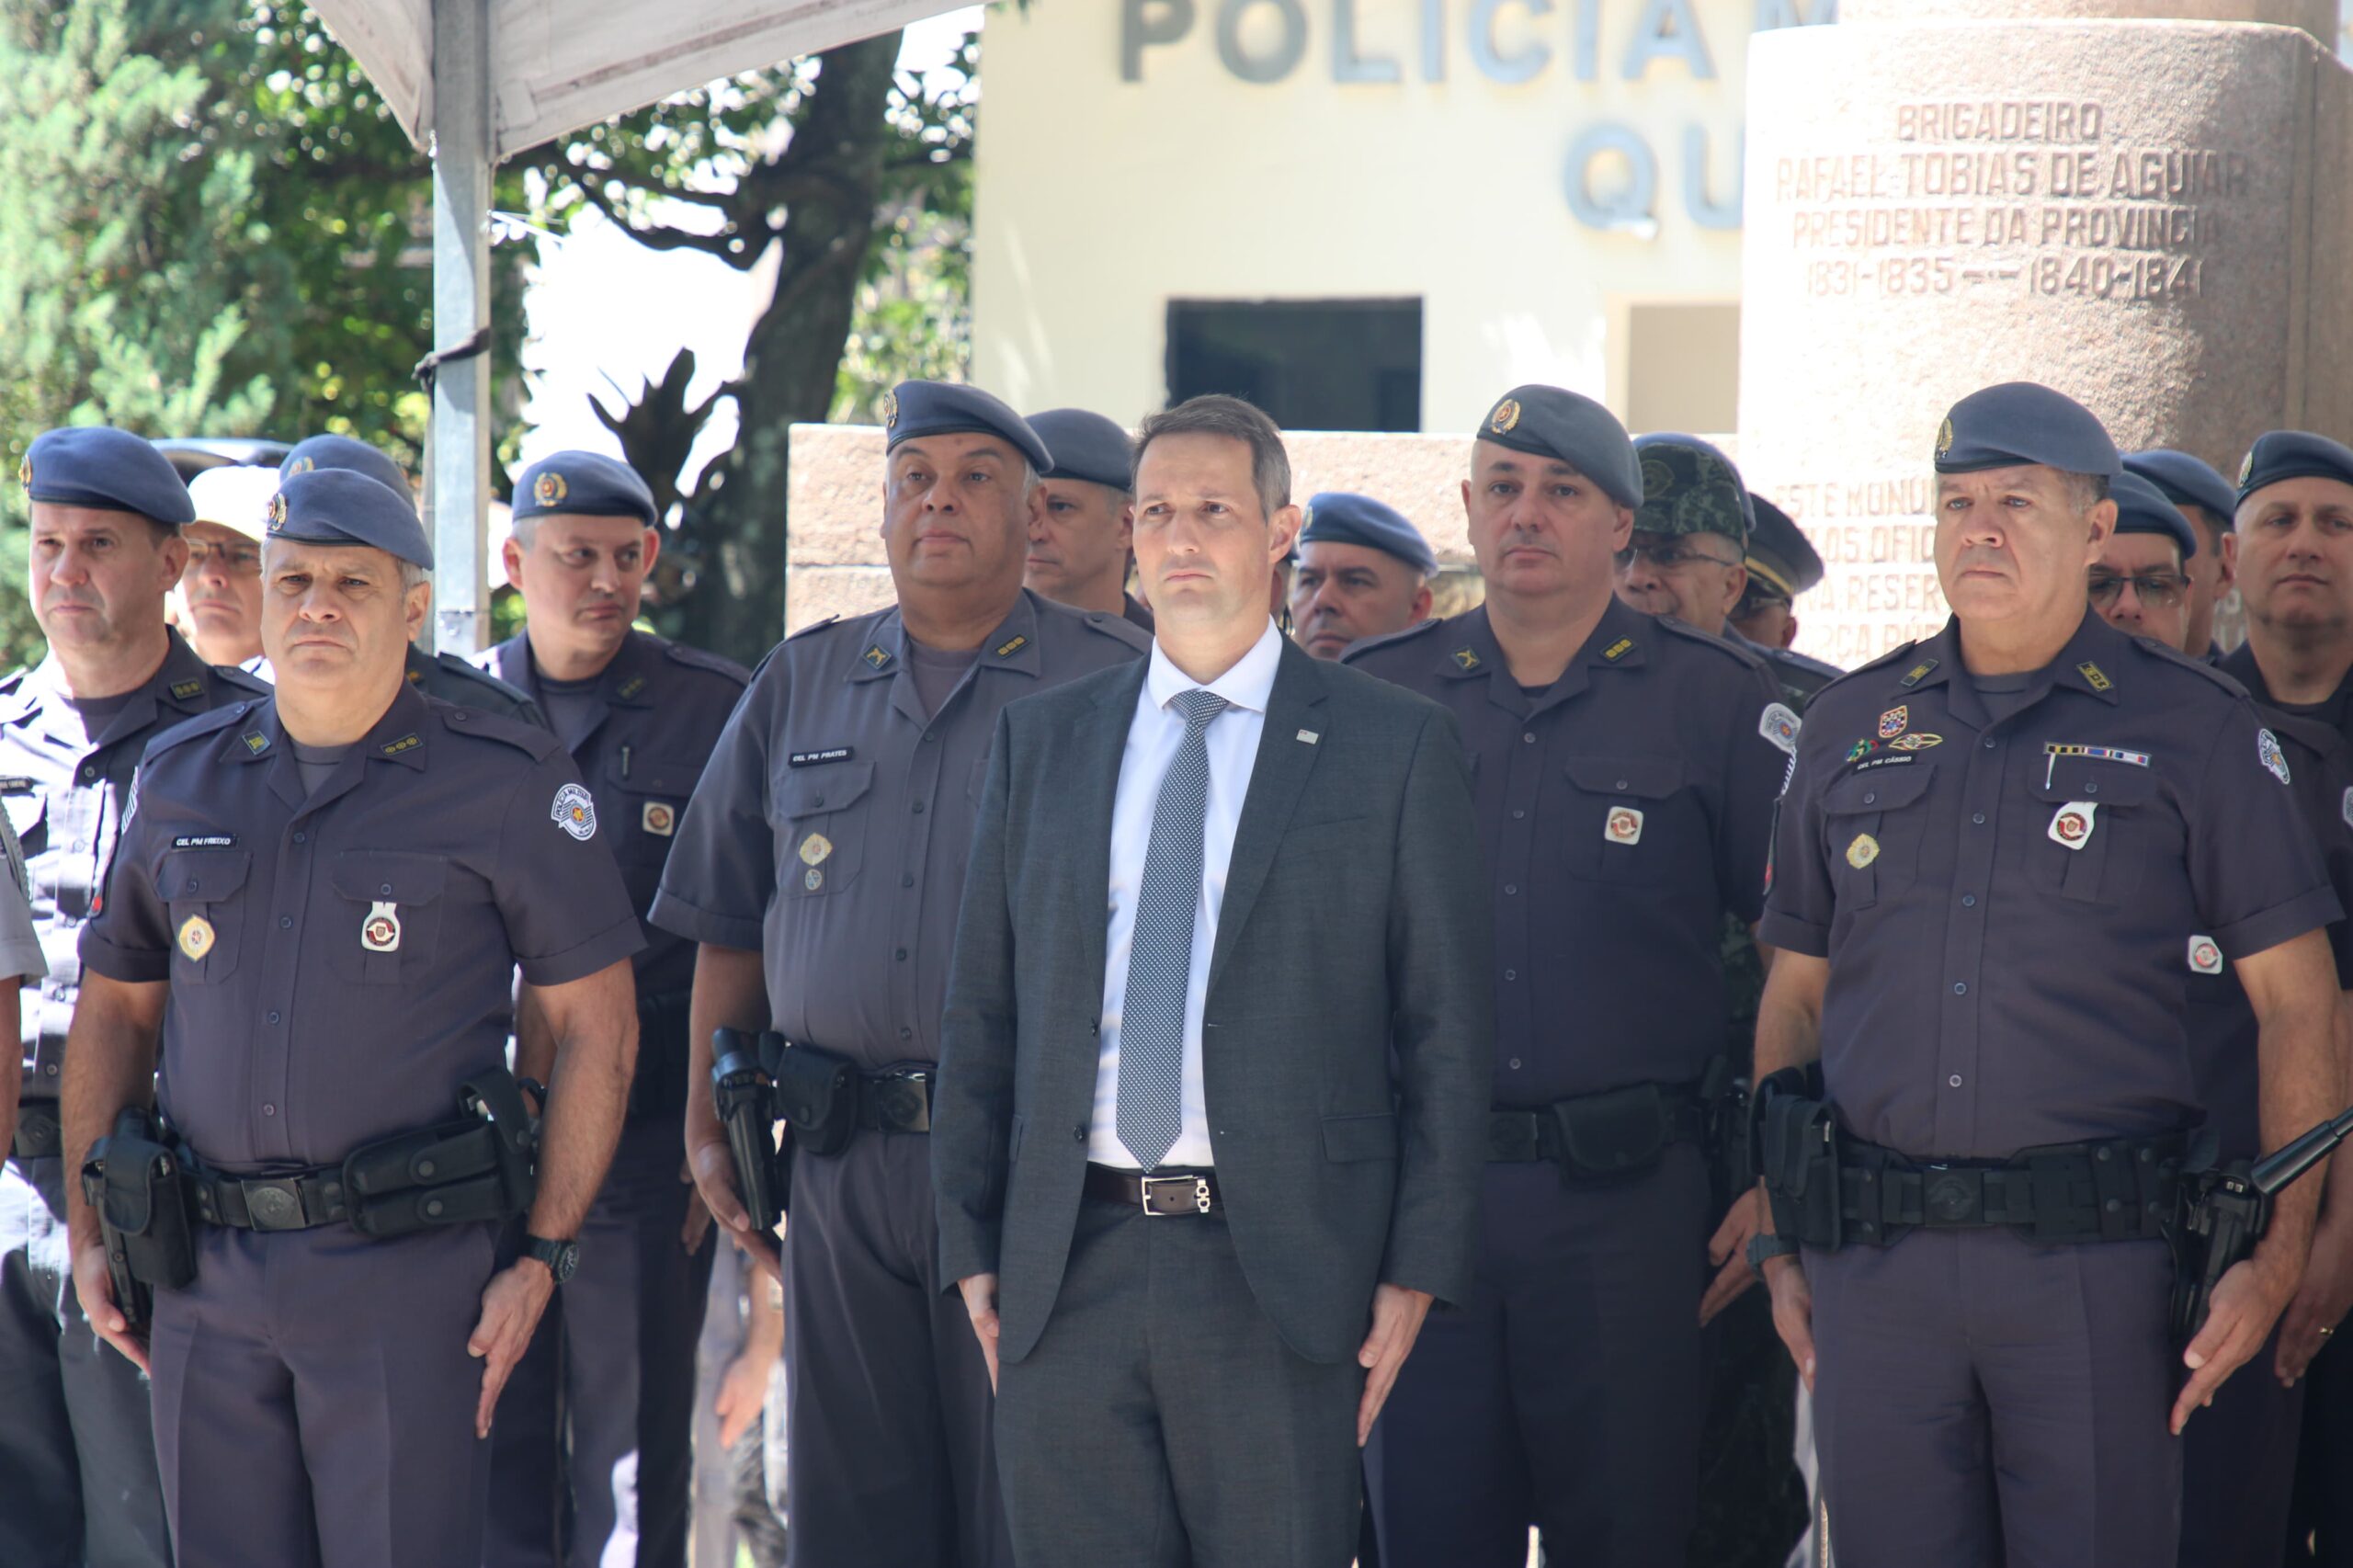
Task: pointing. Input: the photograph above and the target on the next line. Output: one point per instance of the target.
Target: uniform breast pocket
(200, 890)
(821, 826)
(384, 916)
(649, 800)
(2098, 825)
(1615, 827)
(1874, 822)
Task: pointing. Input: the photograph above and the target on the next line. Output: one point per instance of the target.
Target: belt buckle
(272, 1204)
(1201, 1185)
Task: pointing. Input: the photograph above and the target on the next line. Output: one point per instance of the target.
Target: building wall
(1475, 154)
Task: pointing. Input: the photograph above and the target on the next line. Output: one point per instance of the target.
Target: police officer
(1083, 523)
(1363, 571)
(1782, 565)
(2292, 552)
(443, 674)
(107, 509)
(331, 888)
(2137, 583)
(2209, 502)
(1998, 854)
(220, 592)
(1624, 770)
(820, 866)
(639, 716)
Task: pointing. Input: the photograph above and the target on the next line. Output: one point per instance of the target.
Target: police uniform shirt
(1622, 810)
(20, 953)
(339, 964)
(449, 678)
(830, 830)
(65, 793)
(2010, 905)
(651, 720)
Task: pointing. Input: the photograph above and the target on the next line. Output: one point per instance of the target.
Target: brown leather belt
(1181, 1192)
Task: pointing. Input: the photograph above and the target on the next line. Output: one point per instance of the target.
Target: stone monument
(2147, 204)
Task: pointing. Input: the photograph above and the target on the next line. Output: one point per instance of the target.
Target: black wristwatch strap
(1762, 1246)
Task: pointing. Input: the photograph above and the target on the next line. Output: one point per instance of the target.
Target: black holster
(480, 1167)
(138, 1183)
(1724, 1104)
(2221, 1215)
(1793, 1137)
(744, 1097)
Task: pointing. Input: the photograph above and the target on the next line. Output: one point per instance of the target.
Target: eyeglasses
(2162, 590)
(1667, 555)
(237, 560)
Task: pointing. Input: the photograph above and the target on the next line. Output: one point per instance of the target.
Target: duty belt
(2119, 1189)
(896, 1101)
(1161, 1197)
(1616, 1132)
(295, 1201)
(39, 1135)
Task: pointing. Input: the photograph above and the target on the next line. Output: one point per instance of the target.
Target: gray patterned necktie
(1160, 955)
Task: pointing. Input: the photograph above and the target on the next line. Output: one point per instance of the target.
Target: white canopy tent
(475, 81)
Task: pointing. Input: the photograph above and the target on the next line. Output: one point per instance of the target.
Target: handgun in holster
(745, 1096)
(1723, 1096)
(1793, 1144)
(2223, 1210)
(136, 1181)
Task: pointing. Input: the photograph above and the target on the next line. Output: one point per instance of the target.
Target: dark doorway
(1310, 364)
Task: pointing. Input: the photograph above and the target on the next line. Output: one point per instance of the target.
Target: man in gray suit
(1199, 1235)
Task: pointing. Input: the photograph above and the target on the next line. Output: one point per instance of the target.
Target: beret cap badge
(1657, 479)
(1944, 437)
(277, 512)
(25, 473)
(548, 488)
(890, 410)
(1506, 417)
(2247, 467)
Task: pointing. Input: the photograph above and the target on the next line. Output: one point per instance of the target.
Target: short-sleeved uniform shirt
(830, 832)
(340, 964)
(65, 793)
(1623, 810)
(21, 954)
(2007, 895)
(2317, 743)
(647, 727)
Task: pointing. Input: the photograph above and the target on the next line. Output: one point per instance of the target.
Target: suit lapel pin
(1308, 737)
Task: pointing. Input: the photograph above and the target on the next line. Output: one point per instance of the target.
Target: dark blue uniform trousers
(314, 1403)
(1568, 1392)
(593, 1442)
(1980, 1399)
(2238, 1467)
(78, 1458)
(888, 1405)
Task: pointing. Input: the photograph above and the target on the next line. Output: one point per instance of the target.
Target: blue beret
(1339, 516)
(2019, 422)
(914, 409)
(1779, 555)
(2293, 454)
(2183, 478)
(114, 470)
(1691, 487)
(2142, 508)
(1087, 445)
(335, 506)
(585, 483)
(343, 453)
(1547, 422)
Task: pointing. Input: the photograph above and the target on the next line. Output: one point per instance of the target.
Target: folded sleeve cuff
(1779, 930)
(132, 966)
(607, 947)
(696, 924)
(2280, 922)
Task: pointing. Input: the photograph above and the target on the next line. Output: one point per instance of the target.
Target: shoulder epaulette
(813, 627)
(1691, 634)
(1366, 645)
(211, 722)
(703, 659)
(2169, 654)
(1120, 629)
(241, 680)
(520, 733)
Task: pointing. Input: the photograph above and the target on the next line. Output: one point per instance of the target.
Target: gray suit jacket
(1347, 1040)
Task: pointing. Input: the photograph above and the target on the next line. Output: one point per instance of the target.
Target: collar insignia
(1466, 659)
(1007, 650)
(877, 655)
(1917, 674)
(2095, 675)
(1618, 650)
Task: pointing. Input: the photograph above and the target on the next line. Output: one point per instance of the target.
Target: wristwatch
(563, 1258)
(1762, 1246)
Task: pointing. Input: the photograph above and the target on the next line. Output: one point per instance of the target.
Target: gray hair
(2085, 491)
(412, 575)
(1218, 415)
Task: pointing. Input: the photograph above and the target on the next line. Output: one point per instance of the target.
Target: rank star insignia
(196, 936)
(659, 819)
(1624, 825)
(1506, 414)
(1862, 851)
(548, 488)
(1891, 723)
(630, 687)
(2205, 958)
(815, 848)
(185, 689)
(1465, 659)
(1618, 650)
(574, 810)
(2072, 825)
(381, 932)
(2095, 675)
(2267, 752)
(1007, 650)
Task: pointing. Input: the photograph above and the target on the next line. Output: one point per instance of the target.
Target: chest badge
(1862, 851)
(381, 932)
(196, 937)
(1624, 825)
(1893, 722)
(660, 818)
(2205, 958)
(2072, 825)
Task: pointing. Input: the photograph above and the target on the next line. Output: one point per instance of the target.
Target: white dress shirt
(1155, 734)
